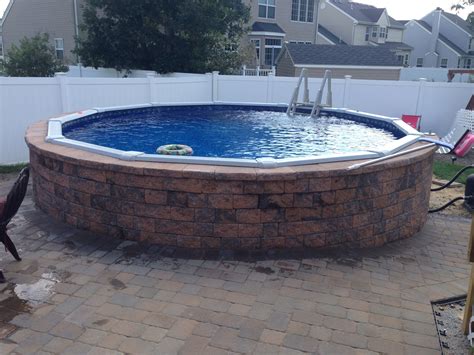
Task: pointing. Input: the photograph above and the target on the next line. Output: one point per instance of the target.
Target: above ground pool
(261, 136)
(229, 132)
(258, 180)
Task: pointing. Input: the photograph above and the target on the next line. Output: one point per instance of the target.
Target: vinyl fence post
(421, 95)
(270, 85)
(64, 91)
(151, 87)
(347, 91)
(215, 86)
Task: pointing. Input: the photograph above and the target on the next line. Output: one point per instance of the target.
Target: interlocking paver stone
(130, 299)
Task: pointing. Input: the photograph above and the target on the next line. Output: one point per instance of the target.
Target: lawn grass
(446, 171)
(8, 169)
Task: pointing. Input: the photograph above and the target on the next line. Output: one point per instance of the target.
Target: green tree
(461, 5)
(162, 35)
(35, 57)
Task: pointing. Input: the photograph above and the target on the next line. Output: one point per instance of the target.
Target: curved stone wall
(213, 207)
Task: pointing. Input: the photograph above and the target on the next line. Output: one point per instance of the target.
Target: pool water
(229, 133)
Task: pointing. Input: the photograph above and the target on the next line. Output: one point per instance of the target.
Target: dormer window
(266, 8)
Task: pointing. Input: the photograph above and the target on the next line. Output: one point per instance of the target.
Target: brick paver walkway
(95, 295)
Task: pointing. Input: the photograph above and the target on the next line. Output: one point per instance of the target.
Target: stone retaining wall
(213, 207)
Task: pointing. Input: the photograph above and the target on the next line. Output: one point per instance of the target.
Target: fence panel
(26, 100)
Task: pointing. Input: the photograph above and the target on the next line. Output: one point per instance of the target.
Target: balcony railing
(257, 71)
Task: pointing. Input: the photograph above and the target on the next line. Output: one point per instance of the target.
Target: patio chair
(460, 135)
(11, 204)
(412, 120)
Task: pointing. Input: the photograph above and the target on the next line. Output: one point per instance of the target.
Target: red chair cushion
(412, 120)
(464, 145)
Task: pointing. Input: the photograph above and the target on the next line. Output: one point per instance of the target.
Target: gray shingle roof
(266, 27)
(329, 35)
(361, 12)
(442, 38)
(339, 54)
(396, 46)
(396, 24)
(459, 21)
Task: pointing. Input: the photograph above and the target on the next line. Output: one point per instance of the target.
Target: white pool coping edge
(55, 136)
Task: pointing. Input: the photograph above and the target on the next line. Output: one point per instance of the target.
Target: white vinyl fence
(27, 100)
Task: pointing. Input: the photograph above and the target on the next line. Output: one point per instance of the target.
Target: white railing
(257, 71)
(27, 100)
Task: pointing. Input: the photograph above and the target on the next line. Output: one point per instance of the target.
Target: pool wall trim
(55, 136)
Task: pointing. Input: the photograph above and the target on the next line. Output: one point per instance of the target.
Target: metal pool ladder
(317, 105)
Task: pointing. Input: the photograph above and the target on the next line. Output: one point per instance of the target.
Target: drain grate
(448, 316)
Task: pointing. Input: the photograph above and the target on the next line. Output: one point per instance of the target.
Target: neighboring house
(361, 62)
(440, 39)
(58, 18)
(274, 22)
(360, 24)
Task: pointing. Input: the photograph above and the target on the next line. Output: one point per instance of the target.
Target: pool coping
(55, 136)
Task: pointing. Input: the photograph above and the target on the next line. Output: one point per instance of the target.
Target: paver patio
(96, 295)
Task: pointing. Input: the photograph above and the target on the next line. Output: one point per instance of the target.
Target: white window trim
(307, 11)
(266, 12)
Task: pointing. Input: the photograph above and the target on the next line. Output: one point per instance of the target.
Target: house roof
(442, 37)
(364, 12)
(342, 55)
(266, 27)
(396, 24)
(329, 35)
(361, 12)
(396, 46)
(459, 21)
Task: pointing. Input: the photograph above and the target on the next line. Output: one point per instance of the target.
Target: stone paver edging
(120, 297)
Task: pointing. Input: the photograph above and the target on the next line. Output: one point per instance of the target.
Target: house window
(266, 8)
(407, 59)
(444, 63)
(471, 45)
(256, 43)
(59, 47)
(383, 32)
(302, 10)
(374, 32)
(272, 49)
(1, 46)
(367, 34)
(467, 63)
(419, 62)
(459, 62)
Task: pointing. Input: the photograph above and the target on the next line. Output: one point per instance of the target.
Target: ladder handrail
(319, 98)
(317, 105)
(296, 92)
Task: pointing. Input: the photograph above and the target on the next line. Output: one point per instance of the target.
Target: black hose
(453, 179)
(448, 204)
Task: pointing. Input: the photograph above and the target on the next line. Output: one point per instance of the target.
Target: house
(440, 39)
(320, 22)
(275, 22)
(59, 18)
(360, 24)
(361, 62)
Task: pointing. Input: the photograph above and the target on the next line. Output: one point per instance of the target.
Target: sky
(398, 9)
